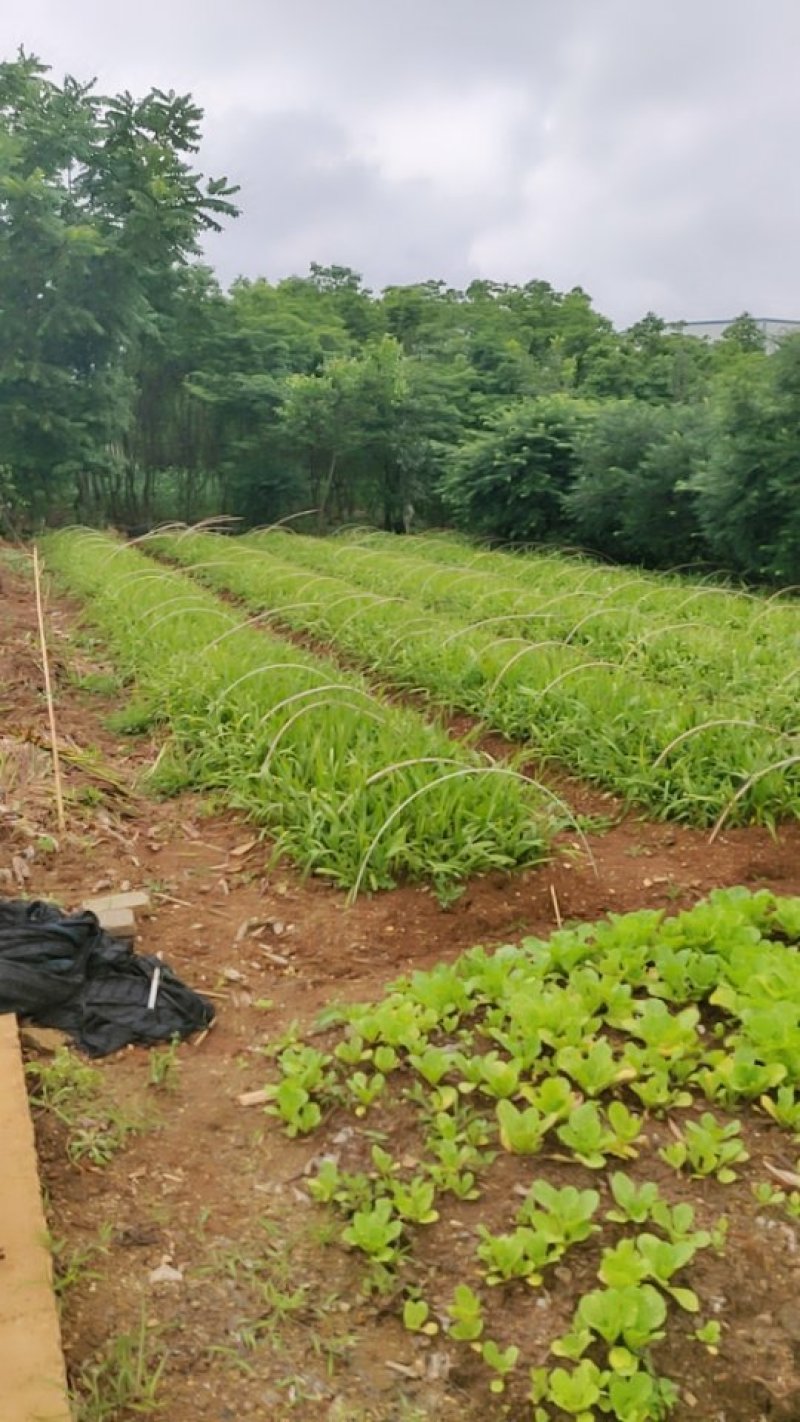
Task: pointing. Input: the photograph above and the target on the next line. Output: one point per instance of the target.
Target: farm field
(501, 1146)
(678, 698)
(351, 787)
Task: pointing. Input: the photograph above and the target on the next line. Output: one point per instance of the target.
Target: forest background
(134, 389)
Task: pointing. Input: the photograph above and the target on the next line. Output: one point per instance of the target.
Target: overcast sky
(643, 149)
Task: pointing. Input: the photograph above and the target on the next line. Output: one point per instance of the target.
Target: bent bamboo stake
(51, 713)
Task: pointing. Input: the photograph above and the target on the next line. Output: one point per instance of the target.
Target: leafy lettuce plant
(708, 1147)
(564, 1216)
(591, 1139)
(375, 1232)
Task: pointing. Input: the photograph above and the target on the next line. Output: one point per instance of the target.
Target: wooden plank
(34, 1385)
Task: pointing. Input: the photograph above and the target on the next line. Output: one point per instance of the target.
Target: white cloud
(458, 141)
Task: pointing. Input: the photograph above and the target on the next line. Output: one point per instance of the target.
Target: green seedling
(663, 1258)
(522, 1130)
(365, 1089)
(577, 1392)
(432, 1065)
(414, 1201)
(563, 1216)
(708, 1148)
(496, 1077)
(521, 1254)
(783, 1107)
(768, 1195)
(729, 1078)
(306, 1066)
(640, 1397)
(466, 1315)
(654, 1084)
(666, 1034)
(385, 1059)
(553, 1097)
(293, 1104)
(677, 1222)
(591, 1140)
(384, 1163)
(351, 1050)
(594, 1068)
(628, 1319)
(164, 1067)
(348, 1192)
(449, 1173)
(623, 1266)
(634, 1203)
(417, 1319)
(709, 1335)
(501, 1361)
(685, 975)
(375, 1232)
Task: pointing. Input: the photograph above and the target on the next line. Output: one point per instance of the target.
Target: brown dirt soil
(266, 1318)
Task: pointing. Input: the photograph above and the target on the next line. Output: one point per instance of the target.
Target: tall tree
(99, 207)
(749, 492)
(633, 497)
(511, 479)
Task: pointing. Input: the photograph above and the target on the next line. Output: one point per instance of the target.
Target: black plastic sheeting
(61, 970)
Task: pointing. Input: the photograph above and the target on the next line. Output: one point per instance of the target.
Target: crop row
(348, 786)
(690, 757)
(660, 628)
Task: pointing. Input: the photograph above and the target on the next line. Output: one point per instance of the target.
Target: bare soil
(267, 1318)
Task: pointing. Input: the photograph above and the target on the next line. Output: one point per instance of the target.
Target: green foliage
(633, 496)
(516, 410)
(708, 1147)
(638, 982)
(375, 1231)
(126, 1377)
(352, 787)
(748, 493)
(98, 206)
(510, 480)
(73, 1093)
(466, 1314)
(560, 649)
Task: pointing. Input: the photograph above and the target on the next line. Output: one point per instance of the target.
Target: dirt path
(209, 1189)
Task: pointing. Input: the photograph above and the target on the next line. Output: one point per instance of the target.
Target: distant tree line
(133, 389)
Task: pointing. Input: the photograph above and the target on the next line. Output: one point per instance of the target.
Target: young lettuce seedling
(591, 1140)
(501, 1361)
(634, 1202)
(522, 1254)
(416, 1317)
(466, 1313)
(522, 1130)
(576, 1393)
(375, 1232)
(563, 1216)
(708, 1147)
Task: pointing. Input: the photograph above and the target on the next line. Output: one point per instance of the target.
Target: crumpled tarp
(62, 970)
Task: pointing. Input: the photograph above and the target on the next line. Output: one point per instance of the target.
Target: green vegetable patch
(535, 1152)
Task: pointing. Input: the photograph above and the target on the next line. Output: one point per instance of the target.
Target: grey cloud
(306, 199)
(644, 150)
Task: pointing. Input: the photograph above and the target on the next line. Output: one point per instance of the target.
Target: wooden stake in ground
(51, 713)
